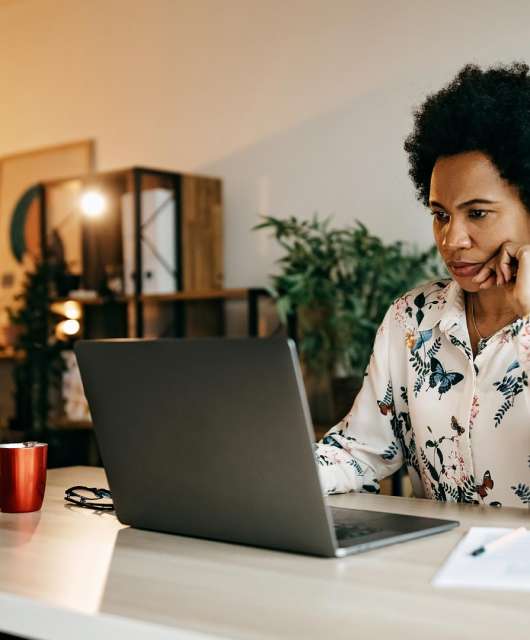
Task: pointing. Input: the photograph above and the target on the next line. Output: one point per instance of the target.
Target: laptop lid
(208, 437)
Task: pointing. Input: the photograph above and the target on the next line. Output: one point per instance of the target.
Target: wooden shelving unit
(178, 301)
(191, 303)
(161, 232)
(208, 294)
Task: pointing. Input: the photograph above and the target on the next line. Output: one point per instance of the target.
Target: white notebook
(507, 567)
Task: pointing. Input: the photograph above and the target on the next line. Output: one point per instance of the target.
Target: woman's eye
(440, 216)
(478, 213)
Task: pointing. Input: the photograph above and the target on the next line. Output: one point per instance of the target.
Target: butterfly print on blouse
(487, 485)
(456, 427)
(423, 338)
(386, 405)
(441, 378)
(384, 408)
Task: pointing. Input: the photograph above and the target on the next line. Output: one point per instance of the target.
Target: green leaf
(348, 274)
(433, 471)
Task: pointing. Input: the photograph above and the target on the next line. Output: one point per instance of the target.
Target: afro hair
(479, 110)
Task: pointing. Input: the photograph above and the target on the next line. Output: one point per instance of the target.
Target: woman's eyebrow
(467, 203)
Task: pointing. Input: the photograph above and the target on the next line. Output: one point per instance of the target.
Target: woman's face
(474, 212)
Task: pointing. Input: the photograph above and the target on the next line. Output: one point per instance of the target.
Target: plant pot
(320, 399)
(330, 399)
(344, 391)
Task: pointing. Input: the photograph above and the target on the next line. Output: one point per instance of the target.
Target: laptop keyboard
(351, 532)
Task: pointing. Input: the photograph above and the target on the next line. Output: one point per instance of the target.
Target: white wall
(300, 105)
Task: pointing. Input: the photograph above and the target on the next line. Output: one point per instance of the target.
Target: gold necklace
(482, 339)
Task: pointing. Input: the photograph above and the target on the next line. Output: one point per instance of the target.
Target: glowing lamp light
(72, 310)
(67, 329)
(70, 327)
(93, 204)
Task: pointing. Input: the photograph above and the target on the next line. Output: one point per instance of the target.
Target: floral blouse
(460, 423)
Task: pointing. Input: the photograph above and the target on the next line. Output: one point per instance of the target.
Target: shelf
(64, 424)
(97, 301)
(206, 294)
(10, 355)
(119, 310)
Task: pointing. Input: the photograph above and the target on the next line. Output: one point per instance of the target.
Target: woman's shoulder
(437, 289)
(420, 308)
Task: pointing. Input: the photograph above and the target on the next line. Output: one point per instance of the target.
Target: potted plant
(339, 282)
(38, 363)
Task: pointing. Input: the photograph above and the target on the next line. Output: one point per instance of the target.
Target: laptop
(212, 438)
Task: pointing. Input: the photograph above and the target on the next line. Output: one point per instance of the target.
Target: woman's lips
(465, 269)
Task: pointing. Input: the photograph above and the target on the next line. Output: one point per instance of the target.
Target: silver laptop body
(212, 438)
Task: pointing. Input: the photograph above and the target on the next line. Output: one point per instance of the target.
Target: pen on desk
(500, 542)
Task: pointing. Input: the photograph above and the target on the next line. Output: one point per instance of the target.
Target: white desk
(70, 573)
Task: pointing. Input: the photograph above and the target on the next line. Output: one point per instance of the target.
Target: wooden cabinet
(202, 234)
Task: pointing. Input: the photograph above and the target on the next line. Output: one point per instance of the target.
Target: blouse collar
(445, 306)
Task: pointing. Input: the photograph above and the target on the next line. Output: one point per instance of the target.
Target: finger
(504, 256)
(522, 258)
(499, 276)
(512, 254)
(522, 282)
(497, 272)
(484, 273)
(505, 263)
(511, 248)
(490, 282)
(522, 255)
(504, 274)
(507, 272)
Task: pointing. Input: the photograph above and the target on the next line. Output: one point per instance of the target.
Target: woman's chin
(466, 283)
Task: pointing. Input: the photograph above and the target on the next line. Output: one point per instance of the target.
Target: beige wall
(300, 105)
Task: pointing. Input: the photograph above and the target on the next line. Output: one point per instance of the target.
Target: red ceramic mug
(22, 476)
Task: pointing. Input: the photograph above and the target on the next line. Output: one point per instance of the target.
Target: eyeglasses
(89, 498)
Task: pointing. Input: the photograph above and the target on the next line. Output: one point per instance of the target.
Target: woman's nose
(455, 235)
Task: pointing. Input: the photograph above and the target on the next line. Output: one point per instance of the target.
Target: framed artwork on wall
(20, 175)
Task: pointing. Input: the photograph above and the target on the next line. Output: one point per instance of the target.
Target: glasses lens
(85, 493)
(92, 499)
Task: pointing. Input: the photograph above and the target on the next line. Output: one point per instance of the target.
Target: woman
(446, 391)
